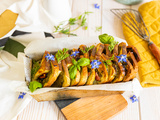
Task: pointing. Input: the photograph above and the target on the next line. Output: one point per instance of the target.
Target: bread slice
(52, 75)
(44, 67)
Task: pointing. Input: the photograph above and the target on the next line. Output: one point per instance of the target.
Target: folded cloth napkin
(149, 70)
(34, 15)
(7, 22)
(12, 75)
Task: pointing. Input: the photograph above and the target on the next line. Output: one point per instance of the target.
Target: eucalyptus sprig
(77, 66)
(79, 21)
(62, 54)
(87, 49)
(109, 62)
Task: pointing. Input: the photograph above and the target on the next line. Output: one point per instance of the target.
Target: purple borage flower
(95, 64)
(75, 53)
(21, 95)
(134, 98)
(96, 6)
(50, 57)
(122, 58)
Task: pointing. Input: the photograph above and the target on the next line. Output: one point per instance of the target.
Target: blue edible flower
(122, 58)
(50, 57)
(75, 53)
(21, 95)
(134, 98)
(95, 64)
(96, 6)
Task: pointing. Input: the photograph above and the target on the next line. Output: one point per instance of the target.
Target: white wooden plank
(149, 104)
(93, 19)
(39, 111)
(110, 23)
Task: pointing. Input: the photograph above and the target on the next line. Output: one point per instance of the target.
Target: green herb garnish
(35, 67)
(107, 39)
(62, 54)
(34, 85)
(77, 65)
(98, 28)
(87, 49)
(79, 21)
(109, 62)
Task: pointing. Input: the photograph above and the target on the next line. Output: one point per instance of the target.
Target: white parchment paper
(36, 49)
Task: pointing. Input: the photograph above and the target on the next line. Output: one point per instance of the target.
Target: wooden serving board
(92, 108)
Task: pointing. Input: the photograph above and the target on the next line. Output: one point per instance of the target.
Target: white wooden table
(148, 107)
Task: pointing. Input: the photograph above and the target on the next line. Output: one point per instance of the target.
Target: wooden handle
(155, 51)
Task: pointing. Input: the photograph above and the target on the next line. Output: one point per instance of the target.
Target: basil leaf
(13, 47)
(83, 62)
(34, 85)
(78, 67)
(106, 39)
(74, 61)
(73, 72)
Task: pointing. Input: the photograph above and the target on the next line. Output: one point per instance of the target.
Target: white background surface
(148, 107)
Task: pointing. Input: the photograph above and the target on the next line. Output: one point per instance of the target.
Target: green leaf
(13, 47)
(79, 21)
(72, 21)
(83, 51)
(112, 58)
(73, 72)
(62, 54)
(83, 62)
(98, 28)
(79, 17)
(107, 39)
(74, 61)
(85, 27)
(65, 31)
(1, 48)
(78, 67)
(87, 49)
(87, 13)
(83, 20)
(109, 62)
(105, 64)
(34, 85)
(35, 67)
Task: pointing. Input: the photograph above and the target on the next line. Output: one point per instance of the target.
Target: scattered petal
(96, 6)
(21, 95)
(134, 98)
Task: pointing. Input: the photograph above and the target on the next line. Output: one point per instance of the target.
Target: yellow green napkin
(149, 70)
(7, 22)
